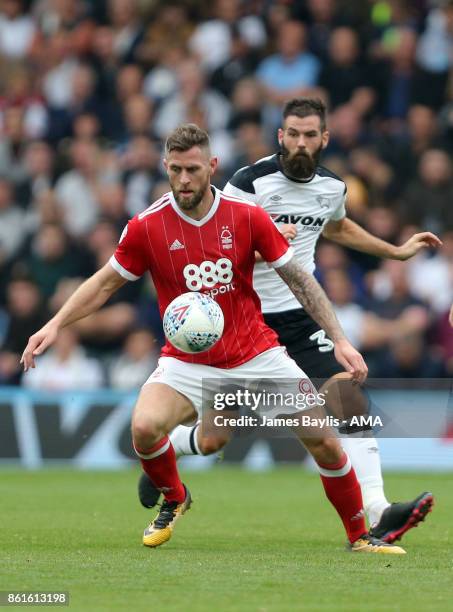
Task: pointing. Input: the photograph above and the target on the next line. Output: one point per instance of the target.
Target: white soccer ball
(193, 322)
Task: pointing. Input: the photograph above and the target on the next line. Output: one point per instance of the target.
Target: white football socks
(361, 447)
(365, 458)
(184, 440)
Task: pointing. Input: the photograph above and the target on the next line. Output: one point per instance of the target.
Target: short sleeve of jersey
(234, 191)
(268, 240)
(340, 211)
(130, 259)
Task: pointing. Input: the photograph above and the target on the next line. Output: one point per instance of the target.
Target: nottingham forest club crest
(226, 238)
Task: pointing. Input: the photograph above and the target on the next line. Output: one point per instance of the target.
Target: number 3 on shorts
(325, 345)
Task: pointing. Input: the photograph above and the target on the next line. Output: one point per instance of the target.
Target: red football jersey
(214, 255)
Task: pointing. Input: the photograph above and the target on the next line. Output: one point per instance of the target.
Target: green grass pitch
(259, 542)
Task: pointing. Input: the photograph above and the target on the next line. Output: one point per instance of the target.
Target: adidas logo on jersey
(176, 245)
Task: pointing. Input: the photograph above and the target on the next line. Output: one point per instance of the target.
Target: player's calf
(185, 441)
(350, 404)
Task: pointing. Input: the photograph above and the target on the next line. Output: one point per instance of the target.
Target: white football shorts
(271, 372)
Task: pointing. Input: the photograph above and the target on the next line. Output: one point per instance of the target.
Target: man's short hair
(305, 107)
(185, 137)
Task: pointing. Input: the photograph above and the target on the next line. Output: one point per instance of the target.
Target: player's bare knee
(210, 444)
(146, 432)
(325, 450)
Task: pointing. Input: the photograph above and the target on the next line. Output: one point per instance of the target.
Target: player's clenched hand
(289, 230)
(351, 360)
(37, 344)
(450, 316)
(415, 243)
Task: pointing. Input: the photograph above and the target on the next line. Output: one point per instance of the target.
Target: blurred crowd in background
(90, 89)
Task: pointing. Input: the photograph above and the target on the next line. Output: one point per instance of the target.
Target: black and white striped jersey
(308, 204)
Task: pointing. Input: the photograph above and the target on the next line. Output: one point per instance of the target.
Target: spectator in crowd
(396, 78)
(347, 130)
(330, 256)
(52, 258)
(383, 223)
(442, 338)
(17, 29)
(26, 309)
(138, 115)
(21, 92)
(170, 28)
(250, 143)
(345, 76)
(12, 228)
(71, 16)
(391, 295)
(129, 82)
(140, 172)
(376, 174)
(192, 91)
(431, 278)
(112, 204)
(408, 358)
(106, 330)
(242, 62)
(12, 145)
(291, 72)
(138, 358)
(86, 127)
(59, 63)
(434, 55)
(402, 149)
(65, 367)
(83, 99)
(161, 82)
(368, 330)
(247, 102)
(127, 29)
(213, 39)
(434, 185)
(121, 97)
(323, 17)
(76, 189)
(104, 60)
(39, 175)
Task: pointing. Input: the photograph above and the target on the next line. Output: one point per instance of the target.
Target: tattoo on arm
(312, 297)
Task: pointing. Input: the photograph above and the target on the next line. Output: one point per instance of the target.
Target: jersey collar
(211, 212)
(291, 178)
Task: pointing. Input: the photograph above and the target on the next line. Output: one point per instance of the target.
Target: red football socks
(343, 491)
(159, 462)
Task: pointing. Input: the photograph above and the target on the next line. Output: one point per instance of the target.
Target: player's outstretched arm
(450, 316)
(88, 298)
(348, 233)
(312, 297)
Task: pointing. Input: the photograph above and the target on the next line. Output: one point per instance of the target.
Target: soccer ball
(193, 322)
